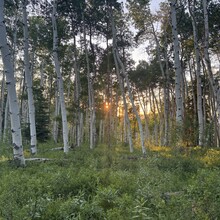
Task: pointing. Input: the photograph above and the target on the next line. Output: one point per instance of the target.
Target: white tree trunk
(90, 92)
(198, 75)
(115, 51)
(56, 114)
(143, 107)
(2, 100)
(77, 90)
(10, 82)
(28, 78)
(165, 88)
(60, 79)
(213, 83)
(177, 65)
(6, 119)
(193, 94)
(127, 125)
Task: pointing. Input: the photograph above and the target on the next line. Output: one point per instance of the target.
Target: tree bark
(60, 79)
(124, 74)
(2, 100)
(10, 82)
(177, 65)
(214, 83)
(90, 92)
(127, 125)
(77, 91)
(56, 114)
(29, 84)
(6, 120)
(198, 75)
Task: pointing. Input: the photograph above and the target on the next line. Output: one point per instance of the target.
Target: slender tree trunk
(109, 93)
(60, 79)
(127, 125)
(118, 59)
(214, 84)
(10, 82)
(6, 119)
(28, 78)
(90, 92)
(198, 75)
(77, 91)
(56, 114)
(2, 99)
(153, 110)
(177, 65)
(193, 92)
(143, 107)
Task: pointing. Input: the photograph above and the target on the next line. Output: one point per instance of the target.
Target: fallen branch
(56, 148)
(61, 148)
(38, 159)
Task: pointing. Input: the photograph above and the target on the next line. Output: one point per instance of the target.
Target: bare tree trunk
(77, 91)
(28, 78)
(56, 114)
(2, 99)
(127, 125)
(198, 75)
(177, 65)
(193, 92)
(6, 119)
(90, 92)
(153, 110)
(10, 82)
(60, 79)
(118, 59)
(214, 84)
(143, 107)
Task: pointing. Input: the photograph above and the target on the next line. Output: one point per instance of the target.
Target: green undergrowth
(111, 184)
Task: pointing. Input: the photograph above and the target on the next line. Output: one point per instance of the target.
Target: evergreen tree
(42, 115)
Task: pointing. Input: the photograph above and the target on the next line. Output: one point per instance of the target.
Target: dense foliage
(111, 183)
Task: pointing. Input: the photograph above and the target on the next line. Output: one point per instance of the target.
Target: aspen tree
(6, 120)
(177, 65)
(59, 78)
(198, 74)
(56, 114)
(77, 91)
(2, 97)
(10, 82)
(124, 74)
(90, 91)
(28, 78)
(127, 124)
(165, 86)
(213, 83)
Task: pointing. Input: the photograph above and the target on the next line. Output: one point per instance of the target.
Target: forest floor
(112, 184)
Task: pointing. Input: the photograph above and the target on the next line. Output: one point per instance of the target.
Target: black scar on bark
(15, 146)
